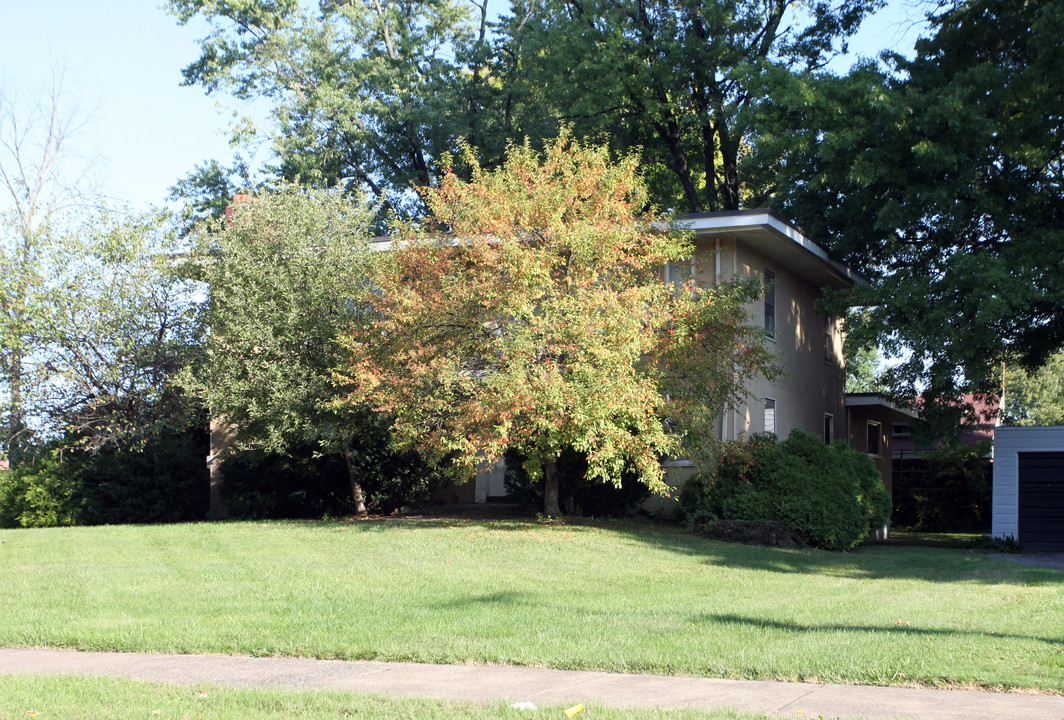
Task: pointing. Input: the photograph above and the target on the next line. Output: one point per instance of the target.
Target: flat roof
(776, 238)
(869, 400)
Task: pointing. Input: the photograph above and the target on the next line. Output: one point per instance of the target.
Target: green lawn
(59, 698)
(612, 596)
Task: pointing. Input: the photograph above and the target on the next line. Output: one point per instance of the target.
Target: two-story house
(810, 392)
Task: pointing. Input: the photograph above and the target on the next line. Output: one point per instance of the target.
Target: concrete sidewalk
(543, 687)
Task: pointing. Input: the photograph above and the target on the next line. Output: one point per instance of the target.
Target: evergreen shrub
(829, 494)
(304, 482)
(163, 480)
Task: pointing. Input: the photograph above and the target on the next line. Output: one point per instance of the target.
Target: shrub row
(166, 480)
(163, 481)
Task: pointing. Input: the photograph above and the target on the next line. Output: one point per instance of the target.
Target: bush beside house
(830, 494)
(948, 489)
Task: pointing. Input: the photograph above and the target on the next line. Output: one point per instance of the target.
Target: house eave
(874, 400)
(777, 239)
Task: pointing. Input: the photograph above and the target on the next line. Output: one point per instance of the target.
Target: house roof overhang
(877, 403)
(777, 239)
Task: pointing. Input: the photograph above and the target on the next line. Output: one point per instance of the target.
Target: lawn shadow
(869, 562)
(901, 629)
(497, 599)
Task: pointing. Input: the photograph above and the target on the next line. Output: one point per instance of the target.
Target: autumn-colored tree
(531, 313)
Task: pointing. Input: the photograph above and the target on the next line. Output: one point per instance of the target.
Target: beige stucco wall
(810, 385)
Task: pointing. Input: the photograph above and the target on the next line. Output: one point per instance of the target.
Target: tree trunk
(551, 508)
(356, 488)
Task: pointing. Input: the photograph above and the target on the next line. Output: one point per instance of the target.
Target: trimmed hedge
(163, 481)
(305, 483)
(830, 494)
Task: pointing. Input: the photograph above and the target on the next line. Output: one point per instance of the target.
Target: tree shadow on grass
(867, 562)
(495, 599)
(899, 629)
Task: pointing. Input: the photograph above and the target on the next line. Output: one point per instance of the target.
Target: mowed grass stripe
(612, 596)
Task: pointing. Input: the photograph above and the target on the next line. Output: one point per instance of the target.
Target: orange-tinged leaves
(538, 319)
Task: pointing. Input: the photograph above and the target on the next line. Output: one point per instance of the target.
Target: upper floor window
(770, 303)
(901, 430)
(874, 433)
(770, 416)
(829, 339)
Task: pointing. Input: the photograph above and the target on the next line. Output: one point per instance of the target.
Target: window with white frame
(829, 339)
(770, 416)
(770, 303)
(875, 432)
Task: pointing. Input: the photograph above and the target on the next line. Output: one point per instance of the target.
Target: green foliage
(829, 494)
(373, 95)
(940, 178)
(947, 490)
(1035, 397)
(864, 368)
(111, 324)
(162, 480)
(285, 275)
(577, 495)
(364, 95)
(672, 80)
(304, 483)
(531, 313)
(121, 326)
(1009, 544)
(209, 189)
(40, 494)
(694, 507)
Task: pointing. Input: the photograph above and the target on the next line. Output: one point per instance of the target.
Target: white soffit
(778, 240)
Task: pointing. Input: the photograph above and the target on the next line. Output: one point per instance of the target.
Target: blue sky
(123, 61)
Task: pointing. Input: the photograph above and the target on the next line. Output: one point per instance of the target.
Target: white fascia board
(766, 222)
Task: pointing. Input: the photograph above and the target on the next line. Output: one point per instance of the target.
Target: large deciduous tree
(531, 313)
(118, 326)
(283, 276)
(942, 178)
(673, 78)
(364, 94)
(371, 93)
(40, 181)
(93, 322)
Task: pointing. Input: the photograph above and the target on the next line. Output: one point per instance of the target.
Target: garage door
(1041, 501)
